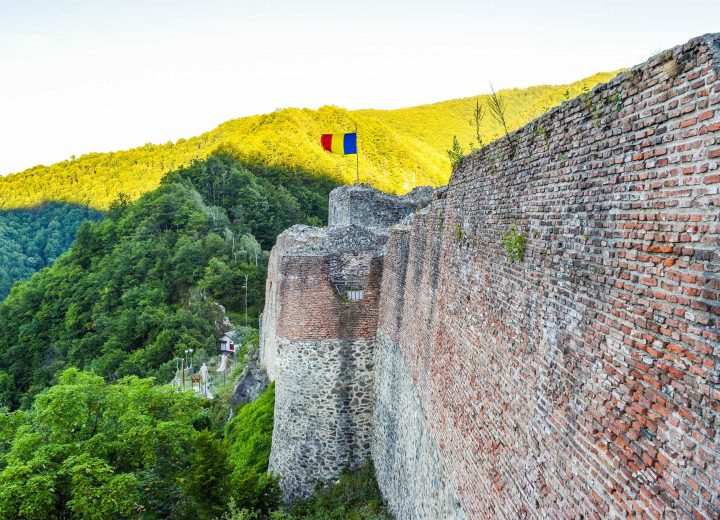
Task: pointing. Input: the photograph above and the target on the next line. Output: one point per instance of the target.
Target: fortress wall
(323, 411)
(368, 207)
(312, 309)
(300, 301)
(410, 470)
(268, 337)
(318, 347)
(584, 380)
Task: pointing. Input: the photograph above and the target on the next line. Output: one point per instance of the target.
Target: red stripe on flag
(326, 142)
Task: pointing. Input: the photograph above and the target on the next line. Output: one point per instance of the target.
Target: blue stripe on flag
(350, 143)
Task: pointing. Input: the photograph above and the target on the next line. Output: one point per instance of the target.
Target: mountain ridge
(399, 148)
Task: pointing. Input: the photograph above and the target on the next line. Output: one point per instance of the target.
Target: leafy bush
(514, 244)
(91, 450)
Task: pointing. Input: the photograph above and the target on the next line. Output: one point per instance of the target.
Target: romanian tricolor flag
(340, 143)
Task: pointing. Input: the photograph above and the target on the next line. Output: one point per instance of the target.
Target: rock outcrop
(252, 382)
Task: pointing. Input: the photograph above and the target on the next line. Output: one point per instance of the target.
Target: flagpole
(357, 160)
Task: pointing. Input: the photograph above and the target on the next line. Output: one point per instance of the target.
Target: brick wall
(313, 310)
(318, 347)
(583, 380)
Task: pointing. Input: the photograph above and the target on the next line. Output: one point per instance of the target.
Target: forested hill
(32, 238)
(130, 296)
(143, 284)
(399, 149)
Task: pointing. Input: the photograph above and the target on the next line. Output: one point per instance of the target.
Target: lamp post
(245, 286)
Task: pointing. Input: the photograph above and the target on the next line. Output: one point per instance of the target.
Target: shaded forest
(143, 284)
(32, 238)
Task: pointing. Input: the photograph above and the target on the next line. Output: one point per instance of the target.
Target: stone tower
(318, 333)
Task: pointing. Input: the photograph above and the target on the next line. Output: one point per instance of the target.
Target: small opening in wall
(354, 295)
(349, 290)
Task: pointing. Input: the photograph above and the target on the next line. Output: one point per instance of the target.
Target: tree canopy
(132, 449)
(33, 238)
(139, 287)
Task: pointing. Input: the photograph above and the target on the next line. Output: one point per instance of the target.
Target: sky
(79, 76)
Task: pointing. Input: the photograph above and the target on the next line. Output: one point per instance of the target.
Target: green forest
(399, 149)
(89, 427)
(33, 238)
(41, 208)
(143, 284)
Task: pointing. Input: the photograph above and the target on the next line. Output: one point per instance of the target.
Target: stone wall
(318, 347)
(581, 381)
(323, 411)
(584, 380)
(365, 206)
(410, 470)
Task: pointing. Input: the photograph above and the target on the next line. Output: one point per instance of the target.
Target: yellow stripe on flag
(338, 145)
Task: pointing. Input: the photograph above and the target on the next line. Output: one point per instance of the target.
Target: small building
(228, 343)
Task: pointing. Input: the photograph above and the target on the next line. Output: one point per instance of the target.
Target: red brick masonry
(311, 310)
(583, 380)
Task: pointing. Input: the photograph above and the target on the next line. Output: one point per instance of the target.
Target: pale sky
(78, 76)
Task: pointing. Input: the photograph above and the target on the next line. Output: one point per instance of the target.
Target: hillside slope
(33, 238)
(399, 149)
(140, 286)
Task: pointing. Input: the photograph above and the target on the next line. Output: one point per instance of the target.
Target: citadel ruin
(581, 380)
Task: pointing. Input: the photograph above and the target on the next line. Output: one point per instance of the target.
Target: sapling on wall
(514, 241)
(498, 108)
(456, 152)
(478, 116)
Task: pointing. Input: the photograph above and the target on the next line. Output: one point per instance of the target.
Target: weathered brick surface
(301, 302)
(311, 308)
(584, 380)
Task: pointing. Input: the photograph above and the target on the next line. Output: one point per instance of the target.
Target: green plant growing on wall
(587, 103)
(618, 101)
(478, 116)
(514, 241)
(498, 108)
(597, 112)
(459, 233)
(456, 152)
(543, 132)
